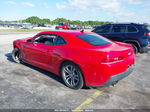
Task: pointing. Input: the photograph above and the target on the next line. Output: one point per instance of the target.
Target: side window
(131, 29)
(60, 41)
(103, 29)
(118, 29)
(38, 39)
(45, 39)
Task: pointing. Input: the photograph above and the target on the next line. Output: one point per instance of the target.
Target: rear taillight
(147, 34)
(109, 60)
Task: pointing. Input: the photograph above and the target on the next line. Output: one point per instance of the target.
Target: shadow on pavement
(49, 74)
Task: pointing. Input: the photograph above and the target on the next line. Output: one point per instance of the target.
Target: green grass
(23, 30)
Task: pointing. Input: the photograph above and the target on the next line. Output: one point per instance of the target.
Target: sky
(102, 10)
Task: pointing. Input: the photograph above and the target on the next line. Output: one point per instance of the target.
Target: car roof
(72, 32)
(123, 24)
(70, 36)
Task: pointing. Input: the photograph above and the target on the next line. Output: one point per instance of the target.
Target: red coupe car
(80, 58)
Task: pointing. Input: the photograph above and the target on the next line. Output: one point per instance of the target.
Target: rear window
(94, 39)
(148, 28)
(131, 29)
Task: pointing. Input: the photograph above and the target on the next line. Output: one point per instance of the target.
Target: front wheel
(16, 55)
(72, 75)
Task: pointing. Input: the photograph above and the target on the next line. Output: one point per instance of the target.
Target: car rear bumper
(114, 79)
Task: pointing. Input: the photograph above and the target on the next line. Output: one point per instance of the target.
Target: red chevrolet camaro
(80, 58)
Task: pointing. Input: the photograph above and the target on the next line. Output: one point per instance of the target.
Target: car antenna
(82, 31)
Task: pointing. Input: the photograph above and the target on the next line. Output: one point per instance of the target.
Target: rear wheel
(72, 75)
(16, 55)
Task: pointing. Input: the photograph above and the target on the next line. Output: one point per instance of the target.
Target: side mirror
(30, 40)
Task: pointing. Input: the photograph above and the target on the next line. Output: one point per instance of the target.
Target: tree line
(37, 20)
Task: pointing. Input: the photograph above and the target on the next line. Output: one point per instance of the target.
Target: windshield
(61, 23)
(94, 39)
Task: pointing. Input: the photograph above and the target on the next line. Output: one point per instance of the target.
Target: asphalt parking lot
(28, 87)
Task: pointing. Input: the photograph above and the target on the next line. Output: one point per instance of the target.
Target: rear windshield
(94, 39)
(146, 27)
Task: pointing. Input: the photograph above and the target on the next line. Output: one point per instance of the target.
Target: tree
(33, 20)
(58, 20)
(46, 21)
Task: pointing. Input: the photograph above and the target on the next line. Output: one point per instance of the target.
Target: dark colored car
(136, 34)
(41, 25)
(80, 58)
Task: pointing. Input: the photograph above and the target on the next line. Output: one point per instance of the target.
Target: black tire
(72, 75)
(16, 55)
(135, 48)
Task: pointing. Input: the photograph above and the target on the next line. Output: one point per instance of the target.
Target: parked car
(138, 35)
(73, 27)
(62, 25)
(41, 25)
(79, 57)
(26, 26)
(17, 25)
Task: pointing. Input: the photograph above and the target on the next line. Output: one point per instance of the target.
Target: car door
(118, 33)
(132, 32)
(39, 51)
